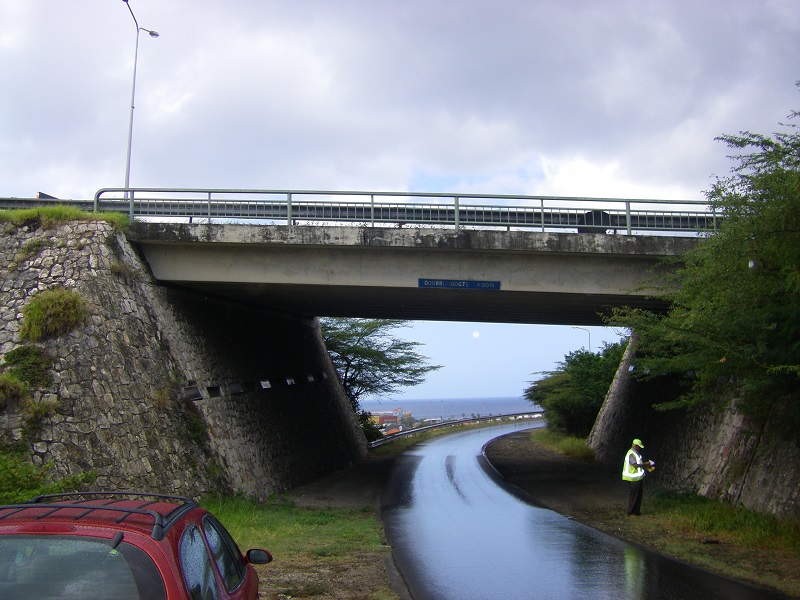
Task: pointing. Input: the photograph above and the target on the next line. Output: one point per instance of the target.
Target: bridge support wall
(722, 454)
(165, 390)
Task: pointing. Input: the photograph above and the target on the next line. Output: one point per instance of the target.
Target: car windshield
(69, 568)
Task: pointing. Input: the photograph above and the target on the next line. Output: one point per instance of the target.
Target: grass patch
(291, 532)
(52, 313)
(732, 541)
(319, 552)
(50, 217)
(720, 520)
(563, 444)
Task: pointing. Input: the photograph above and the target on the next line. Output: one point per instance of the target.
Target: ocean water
(452, 408)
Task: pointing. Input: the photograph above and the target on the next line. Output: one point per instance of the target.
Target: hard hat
(638, 442)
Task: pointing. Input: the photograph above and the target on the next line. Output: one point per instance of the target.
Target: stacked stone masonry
(721, 455)
(118, 381)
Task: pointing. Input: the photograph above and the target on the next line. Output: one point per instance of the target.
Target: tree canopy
(733, 327)
(573, 393)
(370, 361)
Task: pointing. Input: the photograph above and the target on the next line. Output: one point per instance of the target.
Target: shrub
(11, 390)
(30, 365)
(572, 395)
(22, 480)
(52, 313)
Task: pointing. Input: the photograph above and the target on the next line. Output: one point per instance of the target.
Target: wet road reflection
(459, 535)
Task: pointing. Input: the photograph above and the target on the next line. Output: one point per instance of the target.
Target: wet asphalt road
(458, 534)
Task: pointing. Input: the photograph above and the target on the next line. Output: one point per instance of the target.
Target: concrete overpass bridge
(262, 380)
(416, 274)
(489, 258)
(510, 259)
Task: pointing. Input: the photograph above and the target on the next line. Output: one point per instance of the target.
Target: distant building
(386, 418)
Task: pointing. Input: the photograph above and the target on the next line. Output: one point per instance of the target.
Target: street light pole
(590, 336)
(153, 34)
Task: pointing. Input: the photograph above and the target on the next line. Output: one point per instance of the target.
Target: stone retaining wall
(723, 455)
(164, 390)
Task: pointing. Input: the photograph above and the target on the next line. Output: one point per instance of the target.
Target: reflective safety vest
(632, 472)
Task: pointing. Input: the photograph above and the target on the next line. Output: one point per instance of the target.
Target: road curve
(456, 534)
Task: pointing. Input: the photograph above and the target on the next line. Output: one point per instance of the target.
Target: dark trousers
(635, 492)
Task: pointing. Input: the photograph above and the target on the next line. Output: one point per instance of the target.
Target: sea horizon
(451, 408)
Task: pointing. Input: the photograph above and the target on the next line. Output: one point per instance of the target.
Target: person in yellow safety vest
(633, 471)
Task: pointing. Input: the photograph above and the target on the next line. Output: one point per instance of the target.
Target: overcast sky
(554, 97)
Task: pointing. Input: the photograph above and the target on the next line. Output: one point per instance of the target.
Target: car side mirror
(256, 556)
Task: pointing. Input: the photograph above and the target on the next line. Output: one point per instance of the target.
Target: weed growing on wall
(196, 429)
(122, 270)
(29, 250)
(35, 413)
(12, 390)
(52, 313)
(162, 397)
(26, 369)
(30, 365)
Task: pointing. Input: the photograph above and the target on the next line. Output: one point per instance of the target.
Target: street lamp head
(153, 34)
(588, 332)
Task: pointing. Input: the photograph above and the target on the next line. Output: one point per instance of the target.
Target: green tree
(572, 394)
(733, 327)
(372, 362)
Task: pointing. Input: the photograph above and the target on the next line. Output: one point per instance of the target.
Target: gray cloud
(508, 97)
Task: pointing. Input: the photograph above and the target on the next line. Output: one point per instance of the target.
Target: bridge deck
(415, 274)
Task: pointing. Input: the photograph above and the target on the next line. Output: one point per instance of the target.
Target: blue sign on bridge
(459, 284)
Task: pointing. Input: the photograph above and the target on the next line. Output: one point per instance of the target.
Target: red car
(123, 547)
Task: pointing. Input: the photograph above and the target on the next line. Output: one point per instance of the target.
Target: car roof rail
(123, 495)
(161, 522)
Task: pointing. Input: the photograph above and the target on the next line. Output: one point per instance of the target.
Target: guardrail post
(372, 210)
(289, 209)
(628, 215)
(208, 208)
(457, 207)
(130, 205)
(541, 212)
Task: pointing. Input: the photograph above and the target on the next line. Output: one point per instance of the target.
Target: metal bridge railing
(295, 207)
